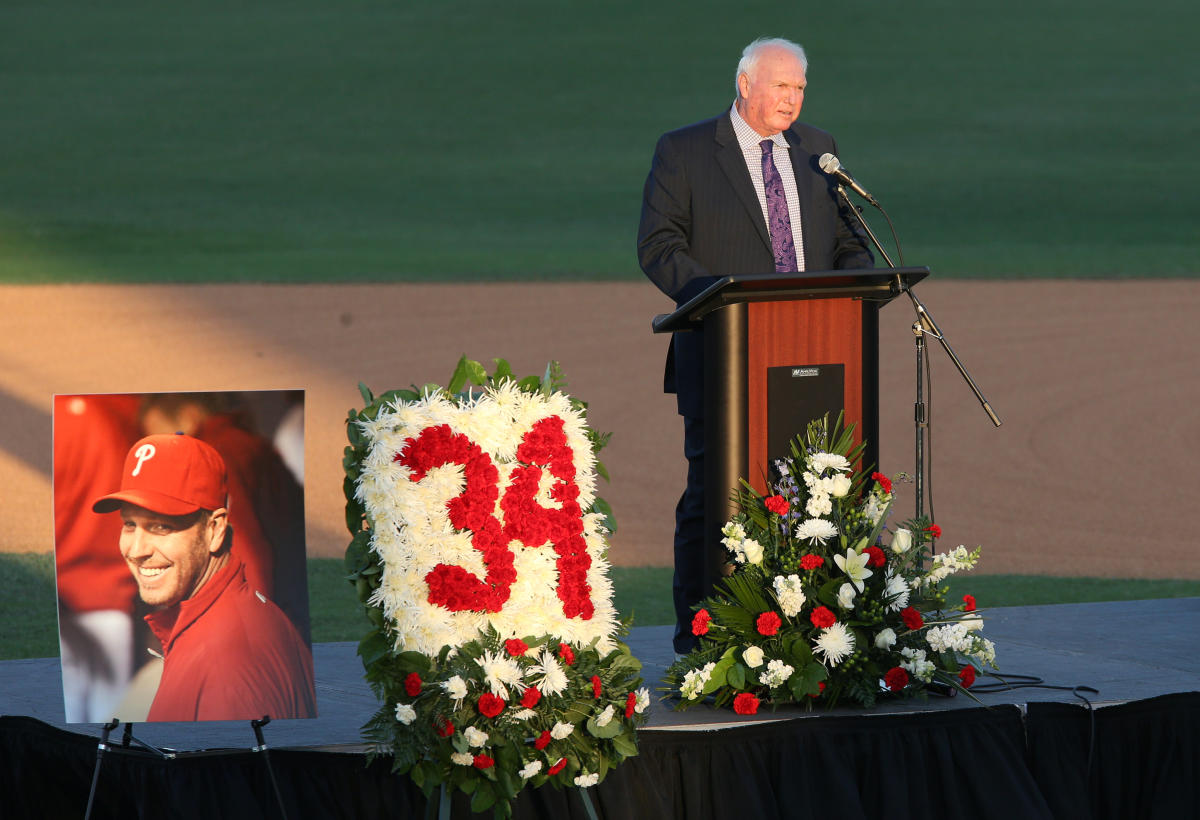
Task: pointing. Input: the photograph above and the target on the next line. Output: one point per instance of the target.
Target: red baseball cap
(171, 475)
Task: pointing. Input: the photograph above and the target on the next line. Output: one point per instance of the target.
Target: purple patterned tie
(778, 221)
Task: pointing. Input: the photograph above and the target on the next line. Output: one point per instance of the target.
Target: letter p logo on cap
(142, 453)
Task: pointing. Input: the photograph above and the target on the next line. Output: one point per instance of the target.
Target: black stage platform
(1023, 754)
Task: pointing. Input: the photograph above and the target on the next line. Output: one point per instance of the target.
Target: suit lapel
(733, 164)
(802, 160)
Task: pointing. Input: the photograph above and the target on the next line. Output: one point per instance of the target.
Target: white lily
(854, 565)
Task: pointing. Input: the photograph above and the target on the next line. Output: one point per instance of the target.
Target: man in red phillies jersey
(266, 504)
(228, 652)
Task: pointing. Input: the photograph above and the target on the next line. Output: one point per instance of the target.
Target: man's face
(770, 97)
(170, 556)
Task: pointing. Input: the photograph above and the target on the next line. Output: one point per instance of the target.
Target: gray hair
(752, 52)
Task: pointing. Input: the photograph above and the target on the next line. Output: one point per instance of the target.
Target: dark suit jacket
(701, 220)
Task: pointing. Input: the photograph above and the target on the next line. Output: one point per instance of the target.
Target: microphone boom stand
(925, 325)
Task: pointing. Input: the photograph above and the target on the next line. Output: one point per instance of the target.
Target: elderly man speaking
(739, 193)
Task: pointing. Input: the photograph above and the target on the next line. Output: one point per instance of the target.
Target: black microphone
(830, 165)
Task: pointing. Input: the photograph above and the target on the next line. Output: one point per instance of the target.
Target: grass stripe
(292, 141)
(28, 623)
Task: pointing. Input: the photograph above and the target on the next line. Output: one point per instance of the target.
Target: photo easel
(131, 745)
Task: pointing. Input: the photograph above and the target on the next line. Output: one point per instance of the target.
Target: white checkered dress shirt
(749, 140)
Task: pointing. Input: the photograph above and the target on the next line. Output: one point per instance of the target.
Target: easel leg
(100, 750)
(257, 726)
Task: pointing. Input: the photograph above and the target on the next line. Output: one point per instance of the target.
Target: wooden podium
(781, 349)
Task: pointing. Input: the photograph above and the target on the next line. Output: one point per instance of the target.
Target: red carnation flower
(768, 623)
(885, 483)
(530, 697)
(877, 558)
(896, 678)
(820, 689)
(967, 676)
(516, 647)
(934, 530)
(557, 767)
(566, 653)
(776, 504)
(969, 603)
(489, 705)
(912, 619)
(700, 622)
(596, 687)
(745, 704)
(822, 617)
(444, 729)
(543, 741)
(630, 705)
(811, 561)
(484, 762)
(412, 684)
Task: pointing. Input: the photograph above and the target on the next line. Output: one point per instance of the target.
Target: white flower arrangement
(479, 550)
(834, 609)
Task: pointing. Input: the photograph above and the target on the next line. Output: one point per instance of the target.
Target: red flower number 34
(543, 448)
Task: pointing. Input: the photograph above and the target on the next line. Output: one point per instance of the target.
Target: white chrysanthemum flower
(553, 680)
(605, 717)
(456, 688)
(523, 714)
(584, 781)
(561, 730)
(789, 592)
(500, 672)
(886, 638)
(462, 758)
(816, 530)
(902, 541)
(819, 504)
(820, 462)
(530, 769)
(643, 700)
(753, 656)
(474, 737)
(405, 713)
(855, 566)
(752, 550)
(846, 595)
(835, 643)
(776, 674)
(896, 586)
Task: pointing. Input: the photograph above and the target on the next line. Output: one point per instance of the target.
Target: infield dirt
(1090, 474)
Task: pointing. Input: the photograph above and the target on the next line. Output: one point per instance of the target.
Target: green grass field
(28, 623)
(467, 140)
